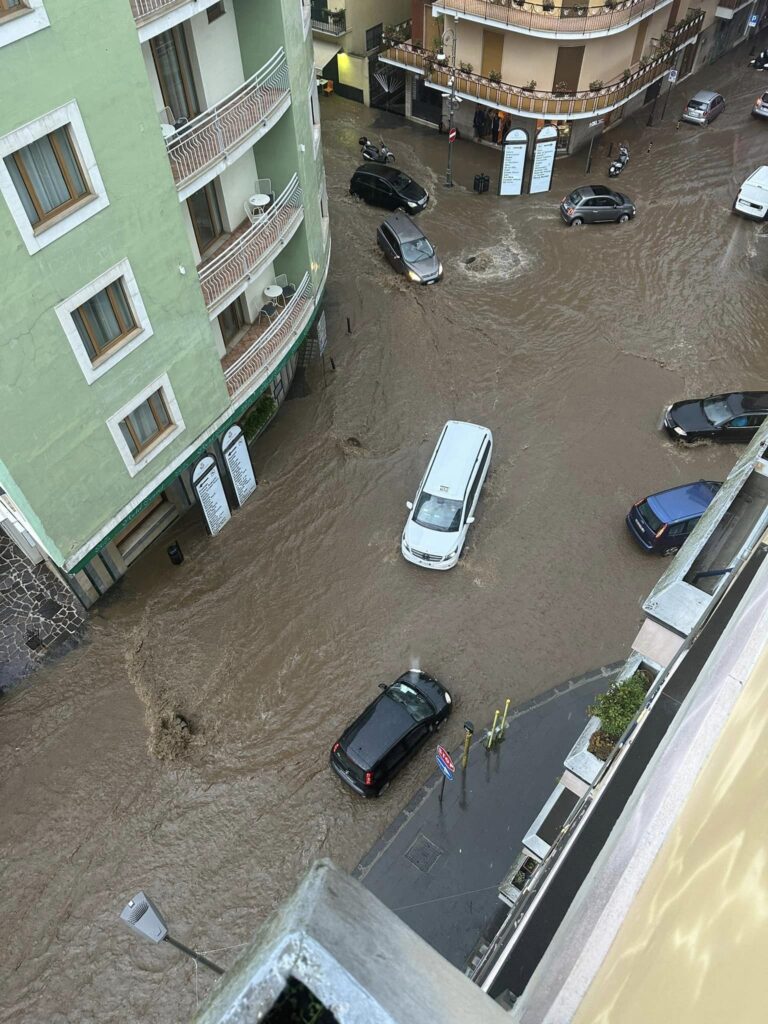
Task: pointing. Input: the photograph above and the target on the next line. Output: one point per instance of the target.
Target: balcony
(224, 276)
(551, 105)
(553, 22)
(726, 9)
(165, 13)
(330, 23)
(203, 147)
(263, 346)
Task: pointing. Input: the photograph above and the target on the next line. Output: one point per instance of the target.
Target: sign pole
(442, 787)
(666, 98)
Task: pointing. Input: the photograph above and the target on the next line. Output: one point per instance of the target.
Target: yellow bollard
(504, 718)
(468, 731)
(492, 733)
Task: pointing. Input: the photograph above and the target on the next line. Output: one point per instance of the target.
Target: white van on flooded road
(752, 200)
(445, 502)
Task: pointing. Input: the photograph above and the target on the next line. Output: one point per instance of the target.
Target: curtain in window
(46, 177)
(175, 74)
(97, 322)
(147, 421)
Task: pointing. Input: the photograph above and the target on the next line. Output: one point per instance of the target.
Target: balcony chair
(264, 186)
(269, 310)
(289, 290)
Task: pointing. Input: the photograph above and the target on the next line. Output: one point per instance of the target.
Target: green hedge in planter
(260, 413)
(620, 704)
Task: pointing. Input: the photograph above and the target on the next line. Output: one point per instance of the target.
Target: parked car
(591, 204)
(752, 200)
(380, 741)
(661, 522)
(408, 249)
(760, 109)
(388, 187)
(703, 108)
(731, 417)
(443, 509)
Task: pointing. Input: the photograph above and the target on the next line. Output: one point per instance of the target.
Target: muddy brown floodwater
(567, 343)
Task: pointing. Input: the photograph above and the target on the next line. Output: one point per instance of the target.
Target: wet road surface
(567, 343)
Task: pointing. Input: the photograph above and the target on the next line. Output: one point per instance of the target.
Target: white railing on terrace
(246, 250)
(268, 345)
(557, 19)
(216, 131)
(146, 10)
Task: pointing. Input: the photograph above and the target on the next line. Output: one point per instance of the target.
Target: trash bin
(482, 181)
(175, 553)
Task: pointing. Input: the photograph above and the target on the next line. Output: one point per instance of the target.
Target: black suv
(388, 187)
(373, 749)
(736, 416)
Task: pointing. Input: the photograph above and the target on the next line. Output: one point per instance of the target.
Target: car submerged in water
(661, 522)
(735, 416)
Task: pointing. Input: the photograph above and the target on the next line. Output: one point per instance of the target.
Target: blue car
(661, 522)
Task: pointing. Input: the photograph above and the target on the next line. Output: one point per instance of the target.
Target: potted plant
(465, 67)
(616, 708)
(519, 3)
(560, 88)
(596, 85)
(580, 11)
(530, 86)
(494, 76)
(547, 5)
(611, 4)
(625, 74)
(257, 417)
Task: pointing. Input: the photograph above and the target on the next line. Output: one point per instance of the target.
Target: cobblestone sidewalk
(38, 615)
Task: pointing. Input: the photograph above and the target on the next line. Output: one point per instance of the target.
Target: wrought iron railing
(557, 20)
(216, 131)
(269, 345)
(333, 23)
(146, 10)
(246, 251)
(549, 104)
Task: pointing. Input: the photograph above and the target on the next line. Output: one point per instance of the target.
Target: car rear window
(346, 762)
(696, 105)
(649, 516)
(575, 197)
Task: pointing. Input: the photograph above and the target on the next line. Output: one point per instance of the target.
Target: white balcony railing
(246, 250)
(221, 128)
(268, 347)
(146, 10)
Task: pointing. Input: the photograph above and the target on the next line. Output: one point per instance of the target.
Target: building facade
(160, 169)
(581, 65)
(347, 40)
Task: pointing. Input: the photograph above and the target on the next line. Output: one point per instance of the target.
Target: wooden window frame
(241, 316)
(12, 12)
(141, 449)
(127, 331)
(44, 218)
(177, 33)
(204, 251)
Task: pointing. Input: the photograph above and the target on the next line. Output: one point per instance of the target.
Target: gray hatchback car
(408, 249)
(591, 204)
(703, 108)
(760, 108)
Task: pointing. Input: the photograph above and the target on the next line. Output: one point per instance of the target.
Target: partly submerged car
(662, 521)
(735, 416)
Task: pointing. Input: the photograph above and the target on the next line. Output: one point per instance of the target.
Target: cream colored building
(581, 64)
(348, 36)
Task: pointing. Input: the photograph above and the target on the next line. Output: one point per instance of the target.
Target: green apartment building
(164, 241)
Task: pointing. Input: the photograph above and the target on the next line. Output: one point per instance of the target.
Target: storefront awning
(324, 53)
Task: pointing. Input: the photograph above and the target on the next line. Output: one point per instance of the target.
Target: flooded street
(567, 343)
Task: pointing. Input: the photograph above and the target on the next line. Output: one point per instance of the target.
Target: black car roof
(751, 401)
(383, 723)
(380, 171)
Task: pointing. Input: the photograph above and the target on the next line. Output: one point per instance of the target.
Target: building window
(20, 18)
(174, 73)
(47, 176)
(205, 213)
(146, 424)
(216, 11)
(8, 7)
(105, 320)
(373, 37)
(232, 320)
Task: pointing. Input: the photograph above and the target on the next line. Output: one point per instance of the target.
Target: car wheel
(576, 222)
(623, 218)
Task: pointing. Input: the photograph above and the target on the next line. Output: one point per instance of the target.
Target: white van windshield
(437, 513)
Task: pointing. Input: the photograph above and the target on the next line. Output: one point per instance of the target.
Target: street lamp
(142, 916)
(447, 39)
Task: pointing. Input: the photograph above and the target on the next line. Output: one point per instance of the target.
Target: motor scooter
(376, 154)
(620, 161)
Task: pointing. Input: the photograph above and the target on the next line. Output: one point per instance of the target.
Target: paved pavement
(438, 866)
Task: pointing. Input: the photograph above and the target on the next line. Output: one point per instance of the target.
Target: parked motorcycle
(760, 62)
(620, 161)
(376, 154)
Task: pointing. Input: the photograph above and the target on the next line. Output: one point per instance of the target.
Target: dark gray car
(408, 249)
(591, 204)
(760, 109)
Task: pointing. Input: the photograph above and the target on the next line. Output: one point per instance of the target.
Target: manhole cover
(423, 853)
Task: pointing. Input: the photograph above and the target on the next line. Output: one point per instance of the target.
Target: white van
(443, 509)
(752, 200)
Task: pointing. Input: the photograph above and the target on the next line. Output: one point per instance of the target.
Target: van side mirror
(409, 504)
(470, 520)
